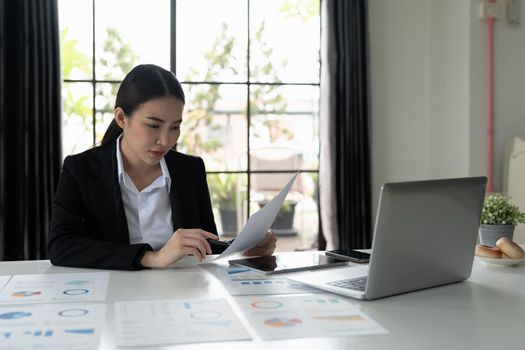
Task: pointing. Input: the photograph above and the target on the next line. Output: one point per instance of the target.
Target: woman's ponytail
(112, 132)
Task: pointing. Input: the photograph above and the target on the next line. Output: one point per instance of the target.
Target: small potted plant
(223, 192)
(283, 223)
(499, 217)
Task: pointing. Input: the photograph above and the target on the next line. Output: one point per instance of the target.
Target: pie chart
(282, 322)
(26, 293)
(266, 304)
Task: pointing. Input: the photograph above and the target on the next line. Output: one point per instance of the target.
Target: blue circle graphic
(76, 291)
(205, 315)
(73, 312)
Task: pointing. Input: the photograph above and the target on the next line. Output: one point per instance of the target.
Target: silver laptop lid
(425, 234)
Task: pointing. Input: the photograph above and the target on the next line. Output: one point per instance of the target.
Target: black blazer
(88, 225)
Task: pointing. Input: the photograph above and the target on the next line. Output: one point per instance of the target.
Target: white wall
(509, 88)
(399, 76)
(428, 63)
(449, 88)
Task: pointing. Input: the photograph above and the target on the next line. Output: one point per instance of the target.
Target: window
(250, 71)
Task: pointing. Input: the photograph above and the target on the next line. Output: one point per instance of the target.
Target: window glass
(130, 32)
(284, 41)
(299, 214)
(76, 49)
(212, 40)
(77, 117)
(285, 120)
(105, 103)
(228, 196)
(250, 72)
(214, 125)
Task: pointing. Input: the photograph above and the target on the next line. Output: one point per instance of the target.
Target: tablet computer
(288, 262)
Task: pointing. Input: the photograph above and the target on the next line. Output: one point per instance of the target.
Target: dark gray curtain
(345, 154)
(30, 142)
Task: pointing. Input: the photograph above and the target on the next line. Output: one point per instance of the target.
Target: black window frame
(173, 66)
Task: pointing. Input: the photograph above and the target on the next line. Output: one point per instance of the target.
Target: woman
(134, 202)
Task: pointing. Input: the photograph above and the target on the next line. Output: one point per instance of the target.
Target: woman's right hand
(181, 243)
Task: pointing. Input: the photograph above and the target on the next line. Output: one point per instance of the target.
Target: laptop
(425, 236)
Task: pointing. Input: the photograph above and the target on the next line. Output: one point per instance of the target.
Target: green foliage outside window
(223, 189)
(117, 57)
(201, 108)
(71, 59)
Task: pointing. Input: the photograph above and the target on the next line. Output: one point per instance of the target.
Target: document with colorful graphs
(68, 326)
(62, 287)
(243, 281)
(308, 315)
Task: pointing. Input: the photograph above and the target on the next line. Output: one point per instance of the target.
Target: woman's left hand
(265, 247)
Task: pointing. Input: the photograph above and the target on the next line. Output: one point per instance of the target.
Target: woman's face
(151, 131)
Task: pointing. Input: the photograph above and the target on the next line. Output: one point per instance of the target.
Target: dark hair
(143, 83)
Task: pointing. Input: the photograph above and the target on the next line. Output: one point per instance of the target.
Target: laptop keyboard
(353, 283)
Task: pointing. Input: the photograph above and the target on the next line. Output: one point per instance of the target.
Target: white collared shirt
(148, 212)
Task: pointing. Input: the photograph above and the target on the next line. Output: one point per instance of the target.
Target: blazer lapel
(175, 192)
(107, 198)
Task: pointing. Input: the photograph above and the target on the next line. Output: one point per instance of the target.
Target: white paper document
(258, 224)
(60, 287)
(160, 322)
(243, 281)
(51, 326)
(309, 315)
(3, 281)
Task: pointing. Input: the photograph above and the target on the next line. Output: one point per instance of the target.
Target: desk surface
(485, 312)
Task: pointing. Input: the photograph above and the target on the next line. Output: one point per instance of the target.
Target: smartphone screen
(349, 254)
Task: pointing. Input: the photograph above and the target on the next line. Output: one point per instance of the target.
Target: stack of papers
(65, 321)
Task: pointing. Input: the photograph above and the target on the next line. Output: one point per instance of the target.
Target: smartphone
(349, 254)
(217, 246)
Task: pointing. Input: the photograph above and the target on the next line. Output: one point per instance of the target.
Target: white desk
(485, 312)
